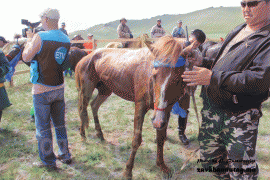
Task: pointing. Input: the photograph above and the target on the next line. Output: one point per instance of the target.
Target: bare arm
(32, 47)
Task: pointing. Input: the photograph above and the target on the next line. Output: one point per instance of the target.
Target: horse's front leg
(140, 112)
(161, 137)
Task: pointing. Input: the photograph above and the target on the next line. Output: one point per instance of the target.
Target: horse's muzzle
(158, 120)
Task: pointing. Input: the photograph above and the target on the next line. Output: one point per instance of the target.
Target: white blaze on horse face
(159, 120)
(162, 104)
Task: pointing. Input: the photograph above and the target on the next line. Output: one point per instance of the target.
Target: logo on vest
(60, 55)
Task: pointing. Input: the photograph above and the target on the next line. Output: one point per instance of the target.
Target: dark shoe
(32, 118)
(65, 161)
(41, 165)
(183, 138)
(182, 124)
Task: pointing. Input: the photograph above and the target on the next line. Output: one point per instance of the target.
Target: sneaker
(41, 165)
(65, 161)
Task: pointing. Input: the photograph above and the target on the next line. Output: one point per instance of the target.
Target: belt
(2, 85)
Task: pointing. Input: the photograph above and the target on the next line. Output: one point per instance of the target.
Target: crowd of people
(233, 90)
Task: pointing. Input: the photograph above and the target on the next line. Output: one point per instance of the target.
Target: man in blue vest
(47, 51)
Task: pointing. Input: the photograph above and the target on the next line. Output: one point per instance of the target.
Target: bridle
(156, 64)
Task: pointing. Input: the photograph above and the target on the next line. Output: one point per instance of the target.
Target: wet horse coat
(128, 73)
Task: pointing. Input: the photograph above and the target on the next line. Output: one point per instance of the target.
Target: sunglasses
(250, 4)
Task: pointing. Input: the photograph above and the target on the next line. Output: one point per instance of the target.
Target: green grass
(94, 159)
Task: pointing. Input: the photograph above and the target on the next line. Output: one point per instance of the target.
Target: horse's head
(168, 85)
(14, 51)
(77, 37)
(168, 66)
(75, 54)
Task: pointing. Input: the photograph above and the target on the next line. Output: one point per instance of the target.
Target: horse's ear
(149, 46)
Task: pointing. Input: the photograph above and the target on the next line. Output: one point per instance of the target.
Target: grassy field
(94, 159)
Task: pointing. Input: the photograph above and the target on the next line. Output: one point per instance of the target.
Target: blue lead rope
(176, 109)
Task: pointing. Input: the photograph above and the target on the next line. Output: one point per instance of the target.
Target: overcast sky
(82, 14)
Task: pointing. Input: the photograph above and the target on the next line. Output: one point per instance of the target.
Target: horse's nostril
(158, 124)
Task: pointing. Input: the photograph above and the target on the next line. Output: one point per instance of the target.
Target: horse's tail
(85, 84)
(83, 100)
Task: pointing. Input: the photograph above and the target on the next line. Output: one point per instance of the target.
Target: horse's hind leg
(103, 94)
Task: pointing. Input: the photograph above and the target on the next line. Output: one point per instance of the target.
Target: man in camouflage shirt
(234, 89)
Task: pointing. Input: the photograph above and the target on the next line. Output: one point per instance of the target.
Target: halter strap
(8, 56)
(156, 108)
(180, 62)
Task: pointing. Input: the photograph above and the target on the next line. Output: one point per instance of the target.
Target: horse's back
(119, 60)
(115, 68)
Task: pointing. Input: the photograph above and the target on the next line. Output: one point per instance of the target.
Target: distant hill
(215, 22)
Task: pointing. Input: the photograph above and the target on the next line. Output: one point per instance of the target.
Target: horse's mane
(167, 50)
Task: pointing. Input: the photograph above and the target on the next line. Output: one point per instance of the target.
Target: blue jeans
(50, 106)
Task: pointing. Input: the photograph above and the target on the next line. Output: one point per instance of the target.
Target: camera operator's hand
(30, 34)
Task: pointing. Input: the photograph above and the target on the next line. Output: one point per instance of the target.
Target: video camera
(31, 26)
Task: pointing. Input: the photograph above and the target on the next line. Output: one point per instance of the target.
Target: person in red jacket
(89, 45)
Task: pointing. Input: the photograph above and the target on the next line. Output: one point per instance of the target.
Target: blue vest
(50, 59)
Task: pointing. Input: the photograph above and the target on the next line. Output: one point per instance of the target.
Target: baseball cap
(180, 21)
(50, 13)
(159, 20)
(63, 23)
(3, 39)
(90, 34)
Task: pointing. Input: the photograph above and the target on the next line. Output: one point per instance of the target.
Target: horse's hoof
(127, 175)
(101, 137)
(83, 139)
(167, 171)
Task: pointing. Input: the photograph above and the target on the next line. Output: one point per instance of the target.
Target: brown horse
(131, 75)
(140, 43)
